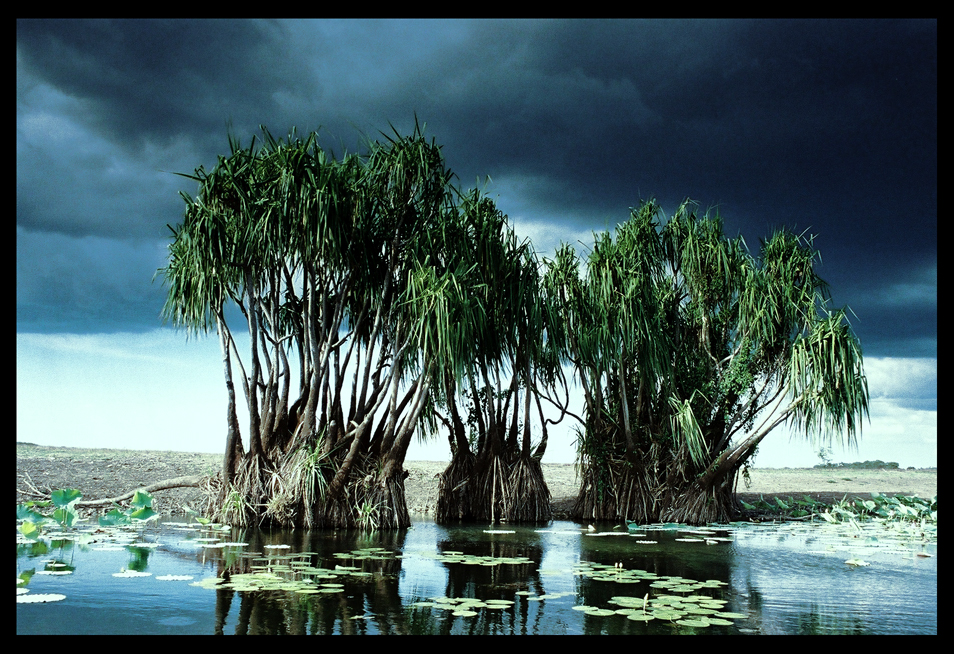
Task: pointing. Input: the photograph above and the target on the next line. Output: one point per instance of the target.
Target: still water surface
(781, 579)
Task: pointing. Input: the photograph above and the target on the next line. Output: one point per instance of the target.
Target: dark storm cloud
(156, 80)
(823, 125)
(814, 124)
(771, 113)
(88, 284)
(108, 110)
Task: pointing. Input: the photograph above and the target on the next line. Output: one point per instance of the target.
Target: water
(782, 579)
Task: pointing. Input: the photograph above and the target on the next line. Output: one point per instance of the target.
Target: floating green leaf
(729, 615)
(641, 617)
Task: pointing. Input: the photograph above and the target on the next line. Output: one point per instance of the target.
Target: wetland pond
(784, 578)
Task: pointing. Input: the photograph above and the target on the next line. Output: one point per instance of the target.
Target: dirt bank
(100, 473)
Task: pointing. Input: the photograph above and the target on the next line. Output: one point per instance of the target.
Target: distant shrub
(862, 465)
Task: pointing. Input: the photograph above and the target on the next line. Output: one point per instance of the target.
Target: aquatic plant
(900, 510)
(367, 517)
(64, 513)
(140, 511)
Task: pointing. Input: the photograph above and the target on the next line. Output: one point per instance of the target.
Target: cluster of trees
(690, 351)
(408, 306)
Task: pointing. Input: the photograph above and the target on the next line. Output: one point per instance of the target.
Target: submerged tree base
(529, 499)
(294, 494)
(454, 489)
(619, 491)
(698, 505)
(493, 491)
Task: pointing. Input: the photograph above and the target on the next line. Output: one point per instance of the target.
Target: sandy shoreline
(100, 473)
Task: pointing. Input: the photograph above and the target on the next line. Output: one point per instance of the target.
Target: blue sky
(829, 126)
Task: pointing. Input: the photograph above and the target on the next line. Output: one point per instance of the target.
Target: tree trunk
(667, 492)
(617, 490)
(455, 488)
(529, 497)
(234, 450)
(704, 501)
(388, 499)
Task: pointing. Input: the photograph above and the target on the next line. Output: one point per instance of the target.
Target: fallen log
(165, 484)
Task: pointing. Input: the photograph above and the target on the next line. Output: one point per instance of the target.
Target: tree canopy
(406, 305)
(344, 263)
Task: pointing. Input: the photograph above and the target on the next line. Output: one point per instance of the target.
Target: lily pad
(641, 617)
(668, 614)
(627, 601)
(683, 588)
(719, 622)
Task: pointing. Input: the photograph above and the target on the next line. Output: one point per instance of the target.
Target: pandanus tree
(330, 266)
(506, 363)
(690, 351)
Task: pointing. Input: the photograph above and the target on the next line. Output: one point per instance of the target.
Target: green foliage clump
(34, 516)
(897, 509)
(64, 513)
(140, 511)
(690, 350)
